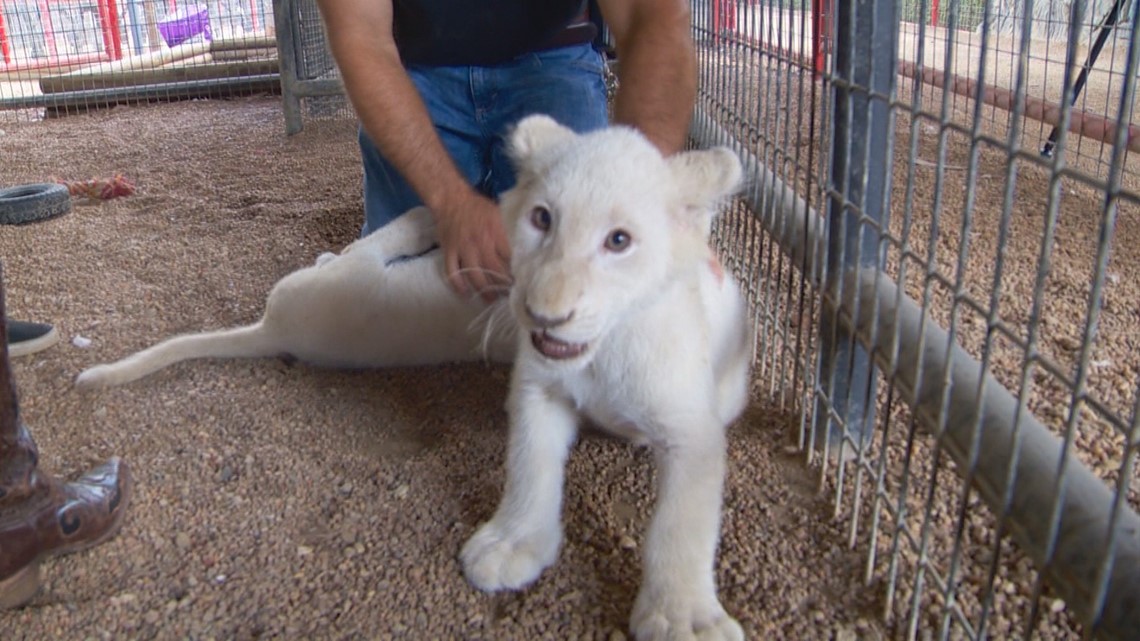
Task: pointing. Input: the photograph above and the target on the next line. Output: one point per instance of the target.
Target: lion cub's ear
(533, 134)
(704, 177)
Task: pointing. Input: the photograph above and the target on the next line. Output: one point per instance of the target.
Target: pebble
(124, 598)
(182, 540)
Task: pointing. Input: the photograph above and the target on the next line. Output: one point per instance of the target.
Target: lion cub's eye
(618, 240)
(540, 218)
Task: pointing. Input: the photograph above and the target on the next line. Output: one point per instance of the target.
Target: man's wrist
(443, 202)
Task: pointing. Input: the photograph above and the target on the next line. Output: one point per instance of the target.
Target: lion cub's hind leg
(411, 234)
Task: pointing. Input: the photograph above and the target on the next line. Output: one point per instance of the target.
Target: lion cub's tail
(251, 341)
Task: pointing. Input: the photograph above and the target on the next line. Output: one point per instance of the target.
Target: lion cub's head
(600, 225)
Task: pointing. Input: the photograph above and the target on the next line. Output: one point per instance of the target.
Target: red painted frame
(5, 53)
(820, 32)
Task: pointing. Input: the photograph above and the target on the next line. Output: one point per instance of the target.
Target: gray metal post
(866, 50)
(285, 20)
(136, 29)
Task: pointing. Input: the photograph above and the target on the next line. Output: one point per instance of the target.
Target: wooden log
(75, 102)
(145, 61)
(162, 75)
(237, 44)
(244, 54)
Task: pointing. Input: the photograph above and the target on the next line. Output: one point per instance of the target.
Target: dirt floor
(282, 501)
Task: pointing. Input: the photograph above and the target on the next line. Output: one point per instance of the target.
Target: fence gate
(937, 238)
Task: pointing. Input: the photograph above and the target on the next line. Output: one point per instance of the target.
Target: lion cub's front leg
(678, 589)
(523, 537)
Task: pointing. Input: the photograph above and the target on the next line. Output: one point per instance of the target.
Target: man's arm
(391, 111)
(658, 68)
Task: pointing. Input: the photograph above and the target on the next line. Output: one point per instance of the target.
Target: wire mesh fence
(903, 213)
(58, 56)
(310, 80)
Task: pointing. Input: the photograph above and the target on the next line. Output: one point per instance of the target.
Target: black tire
(29, 203)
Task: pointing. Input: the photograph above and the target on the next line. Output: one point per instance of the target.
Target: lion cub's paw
(656, 619)
(498, 558)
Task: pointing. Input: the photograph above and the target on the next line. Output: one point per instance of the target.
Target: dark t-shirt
(476, 32)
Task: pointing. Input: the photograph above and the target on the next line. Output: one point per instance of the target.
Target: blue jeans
(474, 107)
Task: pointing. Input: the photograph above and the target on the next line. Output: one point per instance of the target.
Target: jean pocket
(582, 57)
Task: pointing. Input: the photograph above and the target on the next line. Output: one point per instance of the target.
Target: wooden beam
(163, 75)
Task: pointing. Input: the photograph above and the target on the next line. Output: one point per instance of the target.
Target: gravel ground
(282, 501)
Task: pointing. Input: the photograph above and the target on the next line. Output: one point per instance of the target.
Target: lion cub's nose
(546, 322)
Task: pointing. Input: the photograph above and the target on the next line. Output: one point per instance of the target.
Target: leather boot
(41, 516)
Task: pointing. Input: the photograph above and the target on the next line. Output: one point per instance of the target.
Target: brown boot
(41, 516)
(58, 518)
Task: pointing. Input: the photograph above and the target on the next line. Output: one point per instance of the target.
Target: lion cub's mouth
(554, 348)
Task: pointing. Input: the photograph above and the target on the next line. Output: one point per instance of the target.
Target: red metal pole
(819, 32)
(5, 53)
(105, 27)
(116, 34)
(255, 23)
(934, 13)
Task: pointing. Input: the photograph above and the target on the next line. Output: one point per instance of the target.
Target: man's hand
(475, 249)
(469, 225)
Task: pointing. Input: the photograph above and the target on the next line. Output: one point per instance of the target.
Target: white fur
(364, 308)
(665, 362)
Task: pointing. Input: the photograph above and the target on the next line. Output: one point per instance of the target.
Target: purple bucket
(186, 23)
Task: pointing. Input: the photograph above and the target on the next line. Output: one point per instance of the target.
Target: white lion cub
(624, 317)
